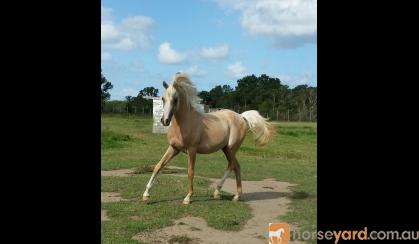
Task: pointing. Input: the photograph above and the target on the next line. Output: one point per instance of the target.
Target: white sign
(157, 115)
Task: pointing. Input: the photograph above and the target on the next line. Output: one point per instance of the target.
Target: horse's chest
(177, 143)
(175, 140)
(181, 142)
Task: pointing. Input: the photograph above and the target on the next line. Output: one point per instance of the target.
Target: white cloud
(215, 52)
(291, 23)
(168, 55)
(196, 71)
(124, 44)
(109, 33)
(142, 23)
(292, 81)
(105, 56)
(237, 70)
(131, 32)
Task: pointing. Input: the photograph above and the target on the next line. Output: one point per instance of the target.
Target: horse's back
(221, 128)
(225, 118)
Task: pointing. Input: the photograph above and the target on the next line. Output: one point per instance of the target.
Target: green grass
(290, 157)
(110, 139)
(165, 206)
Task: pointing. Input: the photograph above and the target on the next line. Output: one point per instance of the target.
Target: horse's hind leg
(233, 164)
(236, 168)
(217, 194)
(170, 153)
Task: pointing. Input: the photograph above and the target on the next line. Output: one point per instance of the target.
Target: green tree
(149, 91)
(139, 104)
(205, 96)
(247, 89)
(115, 106)
(106, 86)
(299, 99)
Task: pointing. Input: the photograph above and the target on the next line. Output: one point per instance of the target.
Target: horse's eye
(175, 100)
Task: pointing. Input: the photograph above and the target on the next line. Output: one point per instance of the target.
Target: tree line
(266, 94)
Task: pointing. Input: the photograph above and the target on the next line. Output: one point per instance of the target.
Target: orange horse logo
(279, 233)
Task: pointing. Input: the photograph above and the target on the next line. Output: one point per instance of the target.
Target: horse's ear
(165, 85)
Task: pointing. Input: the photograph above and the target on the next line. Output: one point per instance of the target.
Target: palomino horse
(192, 131)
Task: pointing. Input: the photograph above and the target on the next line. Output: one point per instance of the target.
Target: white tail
(262, 130)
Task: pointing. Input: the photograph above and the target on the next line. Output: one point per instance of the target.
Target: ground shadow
(200, 198)
(300, 195)
(251, 196)
(255, 196)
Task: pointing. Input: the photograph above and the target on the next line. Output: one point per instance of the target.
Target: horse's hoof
(236, 198)
(145, 198)
(217, 196)
(186, 202)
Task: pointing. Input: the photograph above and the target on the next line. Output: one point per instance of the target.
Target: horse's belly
(214, 136)
(210, 147)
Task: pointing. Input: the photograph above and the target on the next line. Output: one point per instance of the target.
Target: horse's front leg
(170, 153)
(191, 168)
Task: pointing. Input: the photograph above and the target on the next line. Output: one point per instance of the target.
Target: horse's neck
(184, 113)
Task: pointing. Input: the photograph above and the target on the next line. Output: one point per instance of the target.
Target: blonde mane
(184, 85)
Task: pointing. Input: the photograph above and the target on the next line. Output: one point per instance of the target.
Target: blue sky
(215, 41)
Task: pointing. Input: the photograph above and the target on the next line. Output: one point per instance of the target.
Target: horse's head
(170, 103)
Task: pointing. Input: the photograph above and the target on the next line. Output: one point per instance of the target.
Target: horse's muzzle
(165, 122)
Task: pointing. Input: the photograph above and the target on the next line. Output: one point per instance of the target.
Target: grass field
(128, 143)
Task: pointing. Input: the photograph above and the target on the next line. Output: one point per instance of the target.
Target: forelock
(170, 91)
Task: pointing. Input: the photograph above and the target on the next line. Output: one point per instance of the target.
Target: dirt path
(117, 172)
(267, 199)
(103, 215)
(129, 172)
(110, 197)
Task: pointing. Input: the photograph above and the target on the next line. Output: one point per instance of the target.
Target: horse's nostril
(166, 122)
(161, 120)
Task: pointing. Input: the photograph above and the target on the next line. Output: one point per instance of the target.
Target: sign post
(158, 128)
